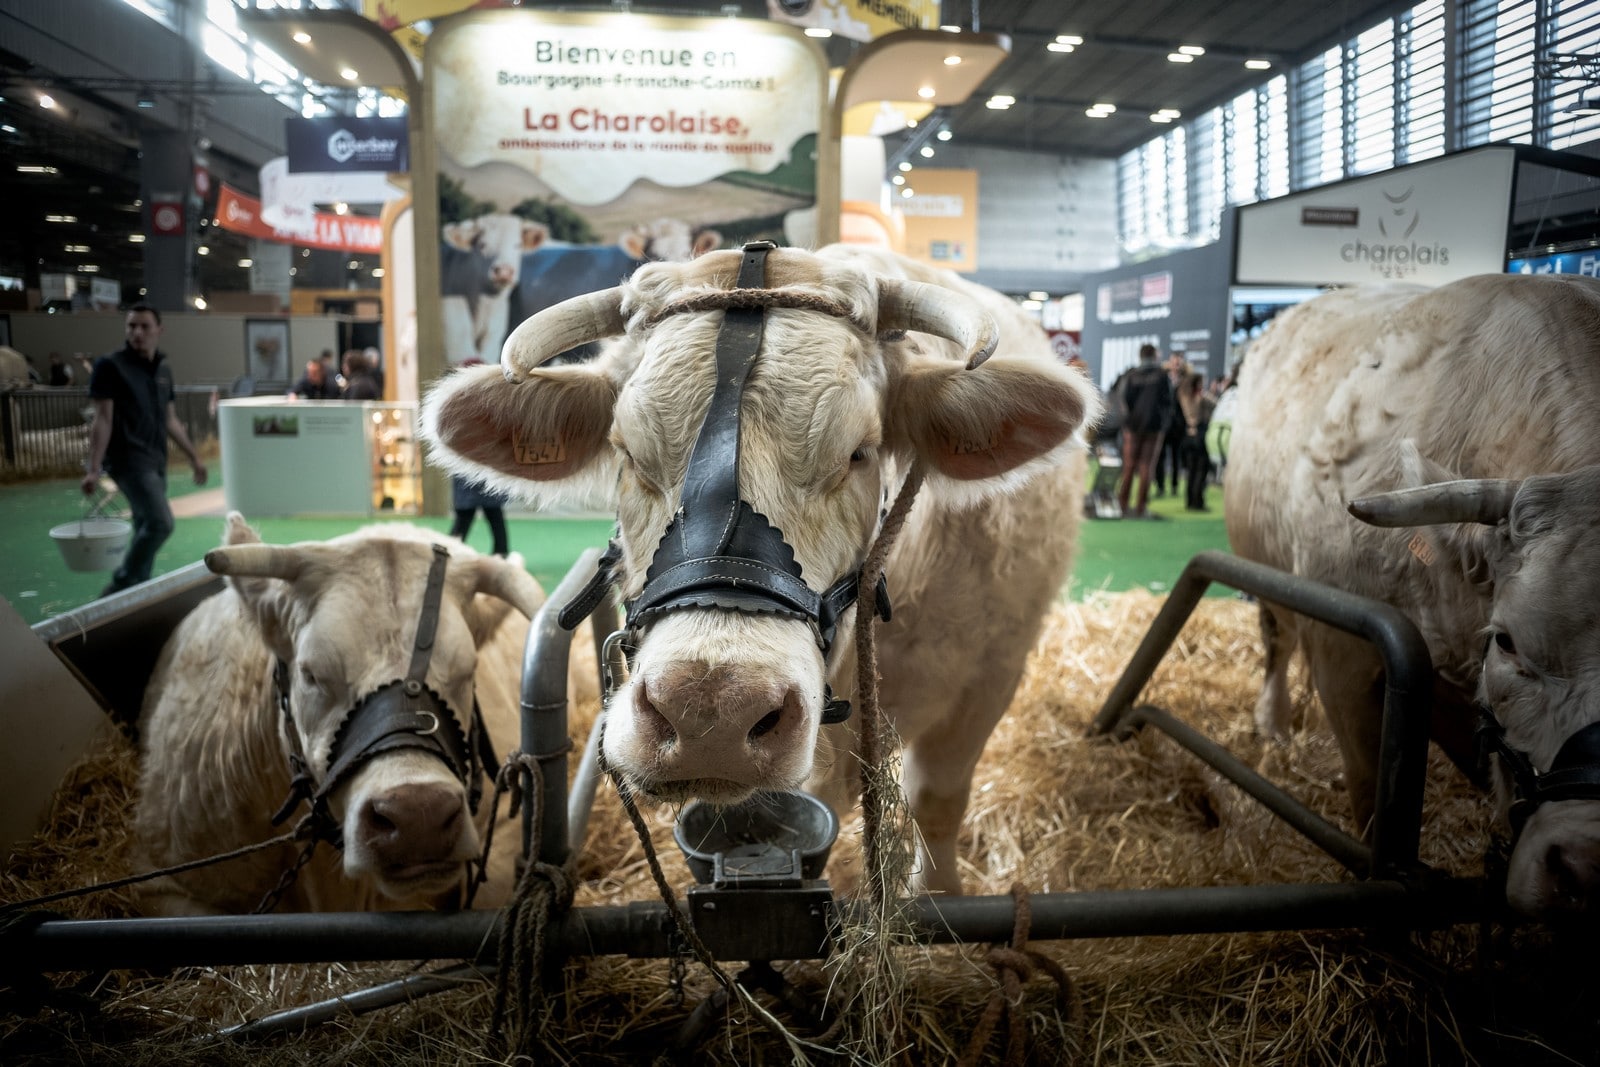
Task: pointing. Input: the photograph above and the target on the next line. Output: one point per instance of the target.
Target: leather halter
(719, 552)
(1573, 775)
(404, 713)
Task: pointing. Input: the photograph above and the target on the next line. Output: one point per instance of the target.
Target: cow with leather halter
(360, 687)
(1461, 427)
(752, 420)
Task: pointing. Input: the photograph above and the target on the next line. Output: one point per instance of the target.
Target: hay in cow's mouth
(1050, 808)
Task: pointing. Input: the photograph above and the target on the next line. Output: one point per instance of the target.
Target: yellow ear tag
(544, 452)
(1420, 548)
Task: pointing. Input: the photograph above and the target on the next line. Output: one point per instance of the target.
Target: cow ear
(970, 425)
(705, 241)
(459, 235)
(634, 244)
(533, 235)
(551, 427)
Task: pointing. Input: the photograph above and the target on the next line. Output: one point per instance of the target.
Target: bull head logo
(1400, 214)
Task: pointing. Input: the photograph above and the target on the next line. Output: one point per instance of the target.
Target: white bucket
(92, 544)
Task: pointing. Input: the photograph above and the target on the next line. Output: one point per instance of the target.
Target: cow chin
(1554, 872)
(407, 827)
(719, 706)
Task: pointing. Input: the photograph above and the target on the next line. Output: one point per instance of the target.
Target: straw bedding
(1051, 808)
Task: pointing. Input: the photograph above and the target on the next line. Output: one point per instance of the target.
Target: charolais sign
(342, 143)
(572, 148)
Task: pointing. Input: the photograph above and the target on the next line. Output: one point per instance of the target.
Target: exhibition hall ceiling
(82, 162)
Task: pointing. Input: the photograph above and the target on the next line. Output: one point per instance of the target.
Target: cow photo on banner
(573, 148)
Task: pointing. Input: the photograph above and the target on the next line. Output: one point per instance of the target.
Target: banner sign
(1585, 263)
(344, 143)
(859, 20)
(1428, 222)
(166, 215)
(941, 218)
(240, 213)
(575, 147)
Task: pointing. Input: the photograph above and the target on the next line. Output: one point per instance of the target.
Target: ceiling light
(926, 152)
(1170, 112)
(1037, 295)
(76, 248)
(293, 271)
(203, 250)
(301, 37)
(818, 31)
(1179, 57)
(911, 124)
(1107, 108)
(46, 100)
(199, 303)
(899, 179)
(1057, 46)
(354, 264)
(1031, 304)
(348, 74)
(944, 135)
(341, 208)
(908, 191)
(89, 268)
(143, 290)
(377, 272)
(926, 92)
(904, 167)
(952, 61)
(1095, 113)
(35, 168)
(136, 238)
(1069, 38)
(1191, 50)
(138, 203)
(951, 29)
(8, 129)
(61, 218)
(1258, 64)
(999, 102)
(1158, 117)
(247, 263)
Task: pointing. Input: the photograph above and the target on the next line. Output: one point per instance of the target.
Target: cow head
(668, 239)
(838, 402)
(1529, 546)
(342, 617)
(501, 240)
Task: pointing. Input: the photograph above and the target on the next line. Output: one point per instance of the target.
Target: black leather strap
(428, 620)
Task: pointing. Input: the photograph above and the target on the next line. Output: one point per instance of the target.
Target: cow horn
(1482, 500)
(907, 305)
(574, 322)
(502, 579)
(256, 561)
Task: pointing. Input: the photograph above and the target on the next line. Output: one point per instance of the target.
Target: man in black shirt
(133, 416)
(1143, 396)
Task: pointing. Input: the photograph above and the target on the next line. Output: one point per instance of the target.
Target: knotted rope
(543, 892)
(1014, 966)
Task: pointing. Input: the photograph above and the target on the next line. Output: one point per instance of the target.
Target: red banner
(340, 233)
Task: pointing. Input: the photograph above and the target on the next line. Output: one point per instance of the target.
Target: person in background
(313, 386)
(375, 366)
(1196, 405)
(359, 384)
(60, 373)
(132, 394)
(1144, 396)
(1167, 457)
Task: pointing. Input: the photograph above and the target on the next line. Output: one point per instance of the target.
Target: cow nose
(410, 824)
(691, 701)
(1574, 879)
(502, 275)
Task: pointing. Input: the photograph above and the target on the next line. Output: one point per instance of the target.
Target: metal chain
(288, 877)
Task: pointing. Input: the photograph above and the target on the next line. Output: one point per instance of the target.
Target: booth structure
(319, 457)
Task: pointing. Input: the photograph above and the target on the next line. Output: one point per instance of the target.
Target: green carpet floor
(1114, 555)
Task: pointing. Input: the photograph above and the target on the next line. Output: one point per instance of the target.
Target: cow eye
(1503, 641)
(309, 677)
(859, 456)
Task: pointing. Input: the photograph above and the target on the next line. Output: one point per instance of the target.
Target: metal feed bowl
(757, 836)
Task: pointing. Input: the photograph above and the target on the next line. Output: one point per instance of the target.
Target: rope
(1014, 966)
(543, 890)
(721, 300)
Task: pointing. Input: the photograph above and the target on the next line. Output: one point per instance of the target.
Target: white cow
(861, 371)
(478, 267)
(668, 238)
(1365, 391)
(343, 617)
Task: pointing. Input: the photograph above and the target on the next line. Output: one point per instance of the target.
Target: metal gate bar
(1407, 697)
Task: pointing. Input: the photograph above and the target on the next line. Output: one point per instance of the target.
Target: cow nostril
(380, 823)
(648, 720)
(768, 723)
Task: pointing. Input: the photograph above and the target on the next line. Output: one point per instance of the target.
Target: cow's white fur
(1380, 388)
(213, 753)
(832, 417)
(475, 322)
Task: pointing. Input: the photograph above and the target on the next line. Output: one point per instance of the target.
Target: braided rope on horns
(723, 299)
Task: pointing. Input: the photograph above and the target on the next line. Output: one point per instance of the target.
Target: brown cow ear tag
(968, 448)
(1420, 548)
(538, 453)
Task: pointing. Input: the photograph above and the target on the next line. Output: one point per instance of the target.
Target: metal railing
(44, 431)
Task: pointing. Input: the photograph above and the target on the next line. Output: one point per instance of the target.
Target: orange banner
(240, 213)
